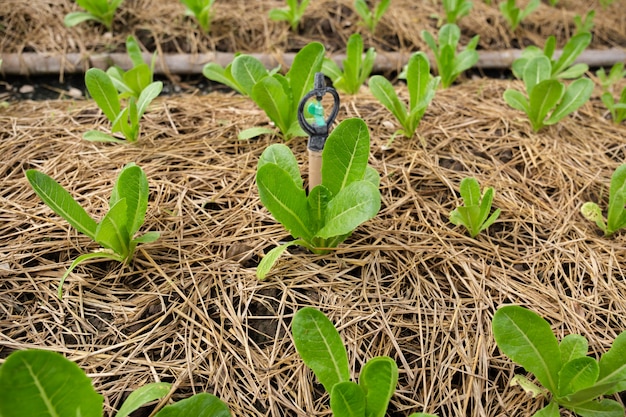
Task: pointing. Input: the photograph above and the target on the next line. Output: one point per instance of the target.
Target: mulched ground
(408, 284)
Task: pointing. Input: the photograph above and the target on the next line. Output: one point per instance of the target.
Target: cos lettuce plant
(369, 17)
(278, 95)
(136, 80)
(474, 213)
(562, 67)
(292, 14)
(356, 67)
(320, 346)
(514, 15)
(117, 229)
(347, 196)
(569, 377)
(101, 11)
(44, 383)
(584, 24)
(549, 100)
(616, 216)
(202, 10)
(421, 85)
(607, 81)
(456, 9)
(450, 64)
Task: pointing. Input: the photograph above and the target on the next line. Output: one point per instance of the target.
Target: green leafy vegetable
(456, 9)
(320, 346)
(101, 11)
(584, 24)
(44, 383)
(574, 380)
(347, 196)
(450, 64)
(549, 100)
(514, 15)
(201, 9)
(607, 81)
(116, 231)
(421, 86)
(474, 214)
(356, 67)
(370, 18)
(292, 13)
(616, 216)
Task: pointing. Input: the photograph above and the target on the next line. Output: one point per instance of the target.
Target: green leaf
(516, 100)
(470, 191)
(604, 408)
(536, 70)
(529, 387)
(215, 72)
(613, 362)
(320, 346)
(112, 232)
(378, 379)
(270, 259)
(449, 35)
(279, 15)
(97, 136)
(134, 52)
(384, 92)
(572, 49)
(573, 346)
(550, 410)
(199, 405)
(302, 72)
(142, 396)
(543, 98)
(247, 71)
(418, 79)
(75, 18)
(318, 201)
(591, 211)
(44, 383)
(617, 198)
(103, 91)
(254, 132)
(147, 237)
(353, 61)
(280, 155)
(138, 78)
(83, 258)
(347, 400)
(353, 205)
(61, 202)
(575, 96)
(577, 374)
(285, 199)
(527, 339)
(151, 92)
(345, 155)
(332, 71)
(132, 184)
(574, 71)
(270, 95)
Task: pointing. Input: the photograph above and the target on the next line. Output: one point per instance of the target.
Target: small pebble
(74, 92)
(27, 89)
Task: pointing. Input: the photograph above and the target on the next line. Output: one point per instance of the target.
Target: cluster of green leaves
(44, 383)
(292, 13)
(202, 10)
(278, 95)
(607, 81)
(347, 196)
(356, 67)
(371, 17)
(450, 64)
(561, 68)
(574, 380)
(101, 11)
(474, 213)
(514, 15)
(110, 88)
(549, 100)
(456, 9)
(116, 231)
(584, 24)
(421, 85)
(616, 216)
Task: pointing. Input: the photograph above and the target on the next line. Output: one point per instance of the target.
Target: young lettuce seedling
(101, 11)
(347, 196)
(320, 346)
(514, 15)
(456, 9)
(421, 85)
(549, 100)
(616, 217)
(116, 231)
(356, 68)
(240, 75)
(574, 380)
(201, 9)
(474, 214)
(562, 67)
(140, 77)
(617, 108)
(44, 383)
(292, 14)
(584, 24)
(450, 64)
(369, 17)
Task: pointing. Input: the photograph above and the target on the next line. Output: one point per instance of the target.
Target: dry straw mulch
(244, 26)
(407, 284)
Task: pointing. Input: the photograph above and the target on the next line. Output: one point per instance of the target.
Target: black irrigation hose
(31, 63)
